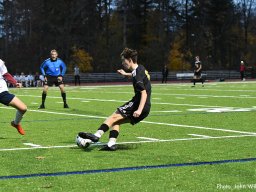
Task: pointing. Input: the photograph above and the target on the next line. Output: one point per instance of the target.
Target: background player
(198, 72)
(9, 99)
(134, 110)
(53, 70)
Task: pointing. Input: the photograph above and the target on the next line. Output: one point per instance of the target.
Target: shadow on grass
(99, 147)
(3, 138)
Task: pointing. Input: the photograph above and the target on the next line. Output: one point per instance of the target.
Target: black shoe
(41, 106)
(107, 148)
(89, 136)
(66, 105)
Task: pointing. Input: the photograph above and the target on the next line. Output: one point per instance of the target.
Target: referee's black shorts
(127, 110)
(53, 80)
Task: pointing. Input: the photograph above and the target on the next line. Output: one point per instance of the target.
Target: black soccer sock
(113, 134)
(202, 81)
(104, 127)
(43, 97)
(194, 81)
(64, 97)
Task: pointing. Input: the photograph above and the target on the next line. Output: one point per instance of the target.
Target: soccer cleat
(83, 143)
(18, 127)
(90, 136)
(66, 105)
(107, 148)
(41, 106)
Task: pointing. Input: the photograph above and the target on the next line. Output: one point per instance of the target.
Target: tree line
(92, 33)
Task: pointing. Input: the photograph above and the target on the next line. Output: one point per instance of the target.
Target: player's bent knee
(110, 121)
(23, 109)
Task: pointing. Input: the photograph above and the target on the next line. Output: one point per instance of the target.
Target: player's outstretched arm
(9, 78)
(122, 72)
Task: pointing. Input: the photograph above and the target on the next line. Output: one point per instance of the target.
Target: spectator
(37, 80)
(41, 77)
(30, 80)
(242, 70)
(77, 75)
(165, 72)
(23, 79)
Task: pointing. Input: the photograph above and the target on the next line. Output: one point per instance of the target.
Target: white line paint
(224, 109)
(147, 138)
(123, 101)
(191, 95)
(148, 122)
(130, 142)
(172, 111)
(32, 145)
(58, 113)
(199, 127)
(180, 97)
(196, 135)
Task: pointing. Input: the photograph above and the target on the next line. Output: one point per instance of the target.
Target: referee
(53, 70)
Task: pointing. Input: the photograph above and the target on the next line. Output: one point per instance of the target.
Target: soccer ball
(82, 143)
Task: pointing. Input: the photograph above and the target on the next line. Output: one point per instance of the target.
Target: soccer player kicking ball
(9, 99)
(133, 111)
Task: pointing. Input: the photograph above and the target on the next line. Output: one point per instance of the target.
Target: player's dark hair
(54, 50)
(130, 54)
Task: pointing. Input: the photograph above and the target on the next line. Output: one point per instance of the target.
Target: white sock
(18, 117)
(99, 133)
(111, 142)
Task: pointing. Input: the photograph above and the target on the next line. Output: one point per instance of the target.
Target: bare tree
(246, 8)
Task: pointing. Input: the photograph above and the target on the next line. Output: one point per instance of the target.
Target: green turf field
(195, 139)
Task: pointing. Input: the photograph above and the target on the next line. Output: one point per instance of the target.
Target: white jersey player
(9, 99)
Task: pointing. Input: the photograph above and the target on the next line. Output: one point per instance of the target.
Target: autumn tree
(82, 59)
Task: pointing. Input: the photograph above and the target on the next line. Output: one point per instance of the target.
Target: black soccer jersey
(197, 65)
(141, 81)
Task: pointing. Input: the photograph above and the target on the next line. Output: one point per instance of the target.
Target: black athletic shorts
(53, 80)
(6, 97)
(198, 74)
(127, 110)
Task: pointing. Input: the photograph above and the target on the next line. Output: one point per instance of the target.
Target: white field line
(148, 122)
(217, 90)
(173, 111)
(59, 113)
(199, 127)
(32, 145)
(196, 135)
(123, 101)
(179, 84)
(192, 95)
(147, 138)
(130, 142)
